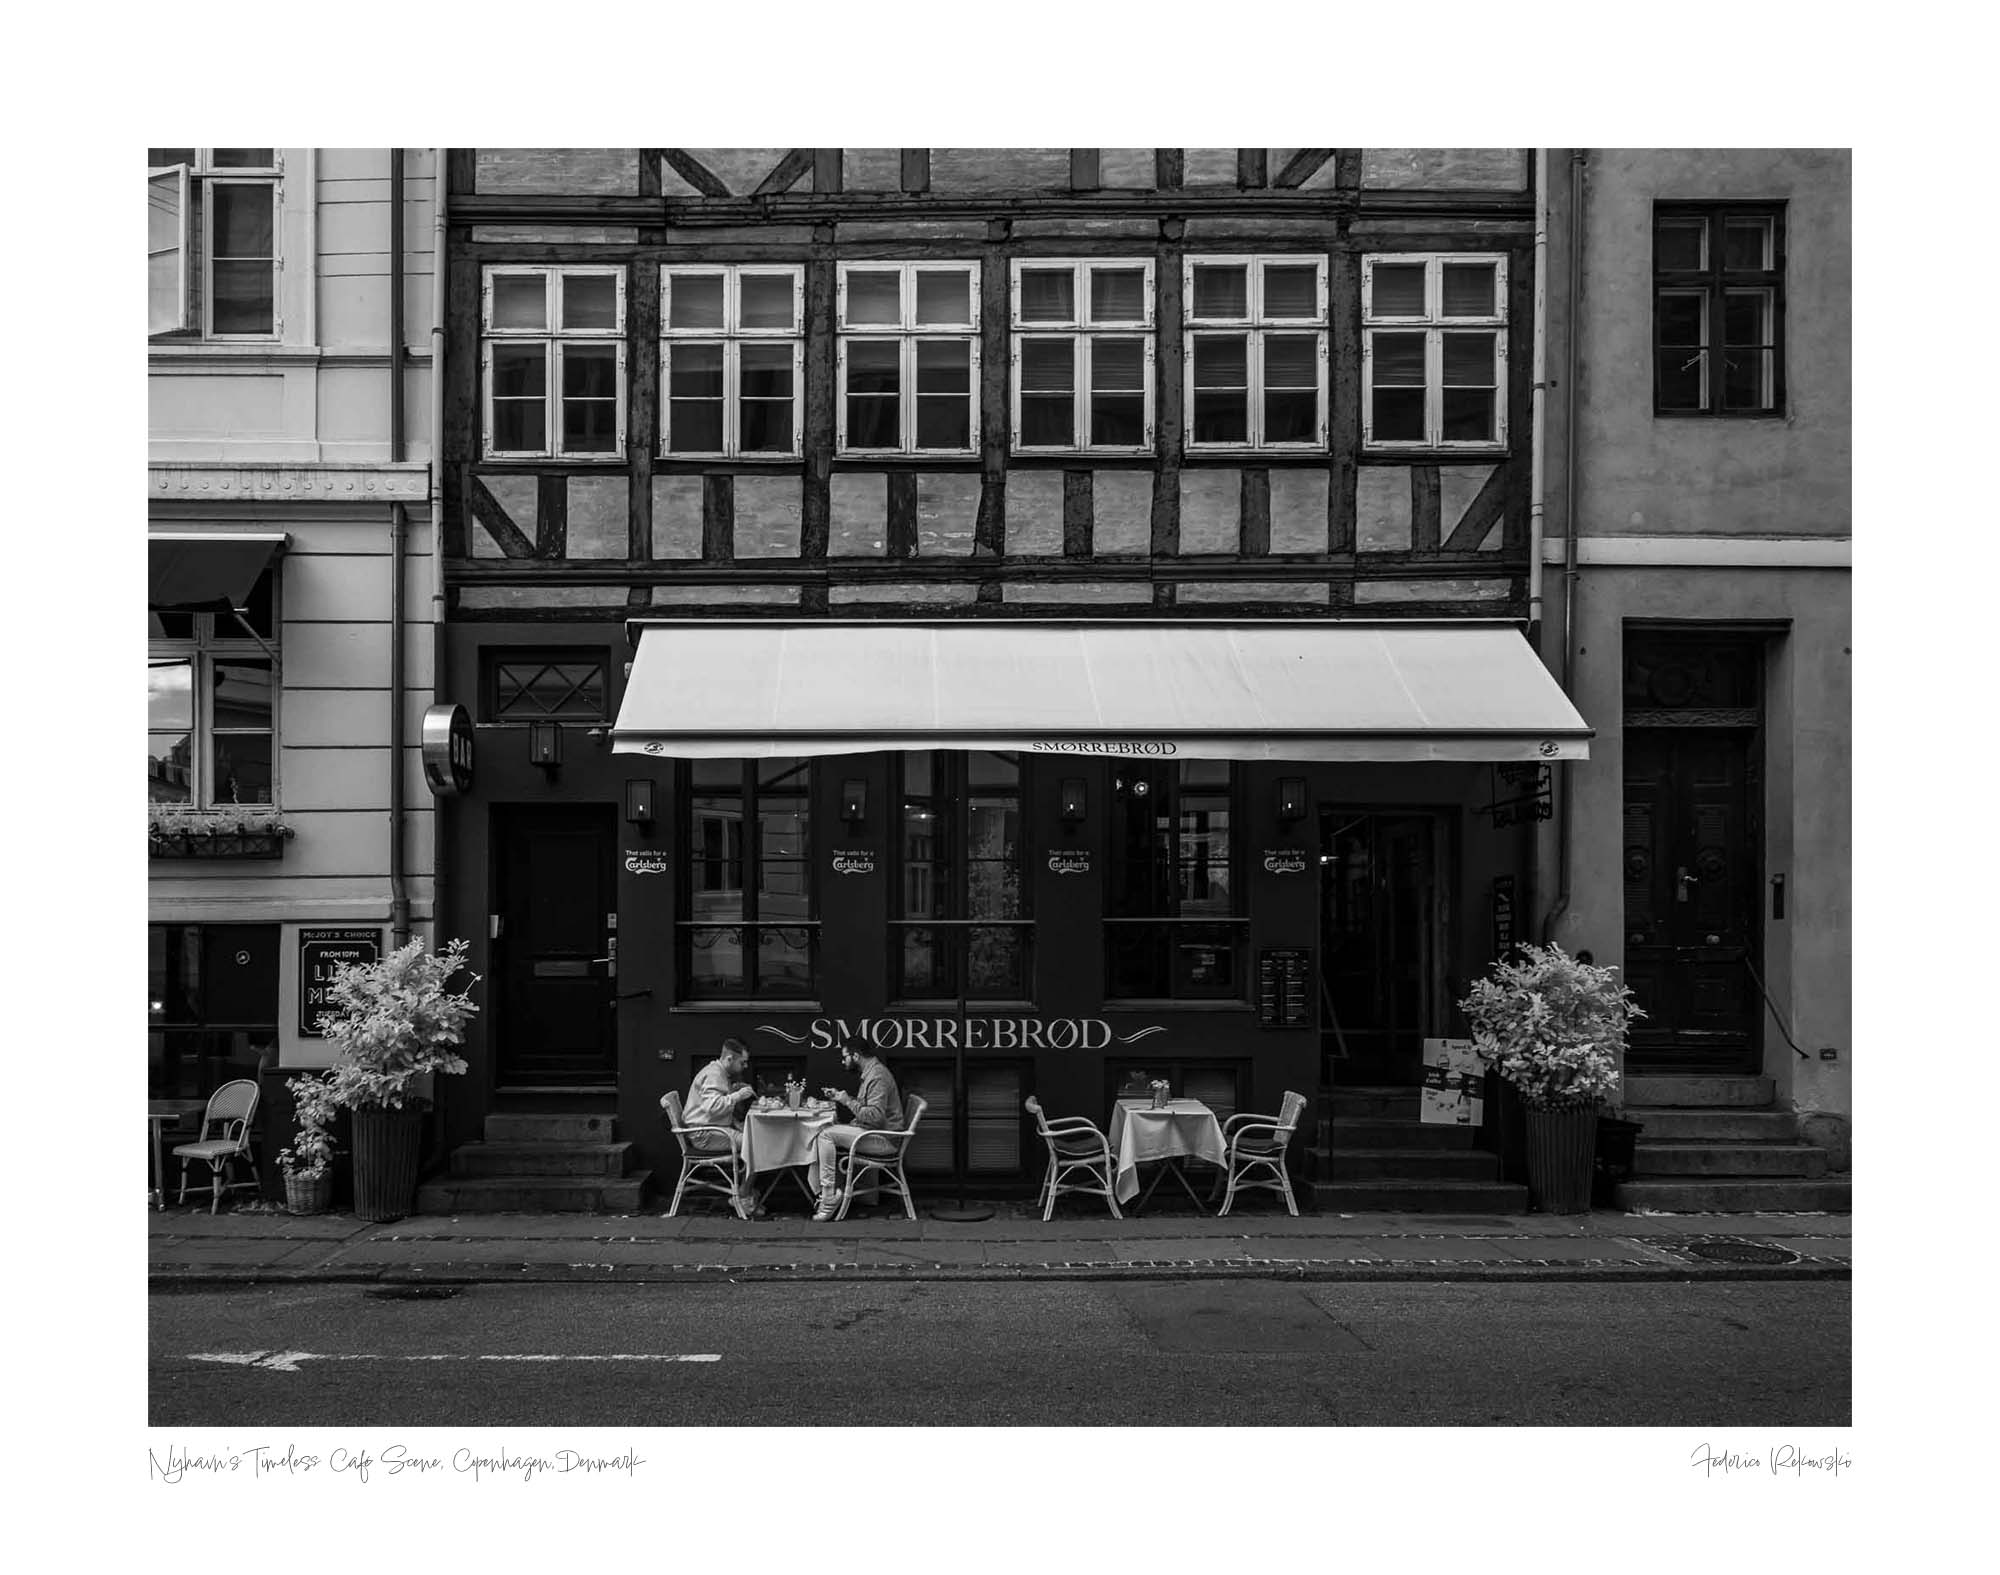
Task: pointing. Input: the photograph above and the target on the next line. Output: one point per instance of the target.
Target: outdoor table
(159, 1112)
(1140, 1134)
(782, 1140)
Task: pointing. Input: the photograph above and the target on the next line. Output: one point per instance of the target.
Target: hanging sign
(322, 954)
(1503, 915)
(1454, 1084)
(1521, 792)
(853, 861)
(445, 737)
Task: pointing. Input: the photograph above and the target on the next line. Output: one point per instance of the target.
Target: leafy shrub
(1552, 1026)
(394, 1020)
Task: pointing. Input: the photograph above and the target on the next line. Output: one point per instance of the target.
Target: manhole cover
(1741, 1252)
(412, 1293)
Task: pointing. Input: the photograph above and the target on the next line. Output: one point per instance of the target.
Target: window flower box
(195, 835)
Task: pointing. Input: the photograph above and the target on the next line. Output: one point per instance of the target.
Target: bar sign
(322, 952)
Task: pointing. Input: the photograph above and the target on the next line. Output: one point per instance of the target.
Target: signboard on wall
(1284, 986)
(322, 953)
(1454, 1084)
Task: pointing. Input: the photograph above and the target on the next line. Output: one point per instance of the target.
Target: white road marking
(288, 1361)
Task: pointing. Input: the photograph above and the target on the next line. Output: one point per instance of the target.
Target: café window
(1174, 927)
(732, 358)
(211, 687)
(545, 686)
(749, 929)
(960, 925)
(212, 1005)
(908, 358)
(552, 363)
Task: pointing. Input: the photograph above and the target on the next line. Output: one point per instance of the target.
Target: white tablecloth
(1139, 1133)
(774, 1139)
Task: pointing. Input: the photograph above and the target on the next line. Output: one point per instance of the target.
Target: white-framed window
(909, 358)
(1433, 350)
(552, 362)
(732, 360)
(211, 704)
(1083, 356)
(212, 255)
(1256, 352)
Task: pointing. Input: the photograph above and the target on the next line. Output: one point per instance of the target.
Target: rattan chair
(1075, 1143)
(1255, 1147)
(877, 1156)
(225, 1137)
(711, 1159)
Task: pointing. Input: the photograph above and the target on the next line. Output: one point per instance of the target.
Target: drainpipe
(1572, 358)
(440, 678)
(1538, 394)
(399, 536)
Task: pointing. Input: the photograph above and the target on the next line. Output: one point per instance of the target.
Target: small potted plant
(308, 1163)
(1554, 1028)
(393, 1022)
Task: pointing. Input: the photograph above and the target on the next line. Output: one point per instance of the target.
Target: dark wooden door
(1691, 884)
(1380, 944)
(555, 955)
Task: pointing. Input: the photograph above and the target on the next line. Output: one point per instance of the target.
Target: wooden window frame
(1082, 331)
(908, 335)
(747, 794)
(1434, 324)
(1254, 325)
(196, 181)
(1714, 281)
(493, 657)
(732, 336)
(1238, 917)
(202, 648)
(555, 339)
(956, 797)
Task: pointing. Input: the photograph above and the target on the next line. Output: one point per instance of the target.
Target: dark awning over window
(206, 571)
(1268, 691)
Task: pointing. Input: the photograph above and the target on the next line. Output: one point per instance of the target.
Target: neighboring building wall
(292, 433)
(1718, 521)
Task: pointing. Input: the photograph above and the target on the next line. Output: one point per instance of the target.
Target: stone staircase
(1373, 1154)
(1717, 1145)
(542, 1163)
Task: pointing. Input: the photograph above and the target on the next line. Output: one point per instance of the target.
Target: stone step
(1398, 1104)
(1406, 1164)
(1420, 1197)
(1734, 1195)
(1386, 1132)
(1714, 1126)
(532, 1194)
(1699, 1091)
(1727, 1159)
(540, 1159)
(544, 1126)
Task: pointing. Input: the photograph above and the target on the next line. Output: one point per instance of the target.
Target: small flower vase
(792, 1093)
(1159, 1099)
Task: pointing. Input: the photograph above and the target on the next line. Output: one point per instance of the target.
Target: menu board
(1284, 987)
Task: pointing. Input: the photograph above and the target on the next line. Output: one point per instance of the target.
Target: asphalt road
(1176, 1353)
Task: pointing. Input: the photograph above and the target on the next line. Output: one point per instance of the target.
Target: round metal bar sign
(446, 738)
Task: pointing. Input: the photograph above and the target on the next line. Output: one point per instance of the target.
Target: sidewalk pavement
(261, 1244)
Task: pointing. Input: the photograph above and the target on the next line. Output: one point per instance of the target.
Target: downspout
(399, 536)
(1538, 394)
(1572, 360)
(440, 677)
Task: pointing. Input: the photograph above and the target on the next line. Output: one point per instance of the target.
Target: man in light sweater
(717, 1098)
(877, 1108)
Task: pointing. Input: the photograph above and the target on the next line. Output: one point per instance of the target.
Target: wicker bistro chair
(225, 1137)
(877, 1157)
(1075, 1143)
(711, 1158)
(1255, 1146)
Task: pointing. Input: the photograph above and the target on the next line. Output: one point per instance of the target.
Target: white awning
(1279, 691)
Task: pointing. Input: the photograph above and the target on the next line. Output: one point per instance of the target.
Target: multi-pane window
(1718, 310)
(1256, 352)
(211, 1006)
(1173, 927)
(1083, 356)
(731, 358)
(960, 925)
(1433, 351)
(211, 687)
(909, 358)
(553, 362)
(212, 242)
(545, 686)
(747, 837)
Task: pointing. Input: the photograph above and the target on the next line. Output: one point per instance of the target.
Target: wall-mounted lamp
(545, 744)
(1074, 804)
(854, 800)
(639, 801)
(1291, 800)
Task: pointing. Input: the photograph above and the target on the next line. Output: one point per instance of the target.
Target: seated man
(877, 1108)
(716, 1099)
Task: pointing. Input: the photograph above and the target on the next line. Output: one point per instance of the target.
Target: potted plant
(245, 831)
(1553, 1028)
(393, 1022)
(308, 1163)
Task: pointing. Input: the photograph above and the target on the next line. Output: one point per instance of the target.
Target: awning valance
(1279, 691)
(206, 571)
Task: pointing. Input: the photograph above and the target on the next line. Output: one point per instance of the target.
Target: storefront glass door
(1381, 953)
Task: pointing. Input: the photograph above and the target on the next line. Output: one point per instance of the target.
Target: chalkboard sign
(1284, 988)
(322, 953)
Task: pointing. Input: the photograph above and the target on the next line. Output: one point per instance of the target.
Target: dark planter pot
(308, 1194)
(386, 1146)
(1617, 1142)
(1561, 1144)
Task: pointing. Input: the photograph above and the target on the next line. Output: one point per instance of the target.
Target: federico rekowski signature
(1780, 1460)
